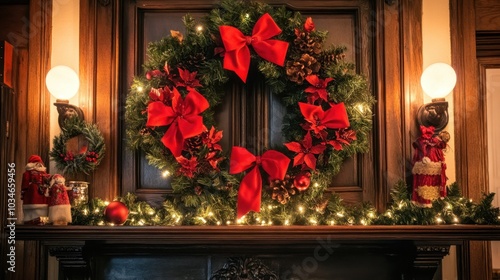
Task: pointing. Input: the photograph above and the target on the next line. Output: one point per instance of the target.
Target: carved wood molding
(244, 268)
(488, 43)
(71, 261)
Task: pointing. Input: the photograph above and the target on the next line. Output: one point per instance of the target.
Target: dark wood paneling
(470, 126)
(488, 14)
(99, 89)
(28, 28)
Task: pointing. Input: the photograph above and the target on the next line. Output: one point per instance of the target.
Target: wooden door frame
(470, 128)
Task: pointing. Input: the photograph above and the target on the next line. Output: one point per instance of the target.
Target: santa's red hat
(35, 158)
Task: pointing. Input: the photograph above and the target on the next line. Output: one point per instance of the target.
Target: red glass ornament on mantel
(116, 213)
(302, 181)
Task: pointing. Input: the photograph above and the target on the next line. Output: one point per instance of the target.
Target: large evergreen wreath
(170, 109)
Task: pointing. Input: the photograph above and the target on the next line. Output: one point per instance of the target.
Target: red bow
(237, 57)
(183, 118)
(249, 194)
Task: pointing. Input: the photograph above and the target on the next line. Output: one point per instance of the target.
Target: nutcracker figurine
(59, 206)
(33, 187)
(429, 176)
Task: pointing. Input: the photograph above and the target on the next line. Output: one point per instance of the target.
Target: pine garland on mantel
(454, 209)
(189, 69)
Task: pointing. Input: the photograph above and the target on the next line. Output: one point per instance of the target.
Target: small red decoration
(305, 151)
(309, 25)
(237, 56)
(302, 181)
(116, 212)
(429, 168)
(318, 120)
(249, 194)
(317, 89)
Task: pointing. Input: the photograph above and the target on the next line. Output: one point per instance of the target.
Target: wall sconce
(63, 83)
(437, 81)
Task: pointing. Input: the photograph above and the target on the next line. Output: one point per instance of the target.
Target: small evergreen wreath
(90, 155)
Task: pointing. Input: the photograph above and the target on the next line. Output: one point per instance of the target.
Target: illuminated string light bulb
(96, 210)
(439, 220)
(199, 28)
(301, 209)
(218, 223)
(202, 220)
(448, 206)
(140, 89)
(228, 222)
(106, 203)
(371, 215)
(340, 214)
(270, 207)
(100, 223)
(270, 223)
(287, 222)
(363, 222)
(360, 107)
(141, 222)
(85, 212)
(241, 220)
(316, 185)
(455, 220)
(247, 15)
(210, 214)
(165, 174)
(313, 221)
(332, 222)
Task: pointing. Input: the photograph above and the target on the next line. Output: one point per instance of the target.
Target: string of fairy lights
(453, 209)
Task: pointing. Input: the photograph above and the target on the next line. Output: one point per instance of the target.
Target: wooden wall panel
(99, 87)
(470, 127)
(488, 15)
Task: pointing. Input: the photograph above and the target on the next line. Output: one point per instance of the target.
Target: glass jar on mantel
(79, 192)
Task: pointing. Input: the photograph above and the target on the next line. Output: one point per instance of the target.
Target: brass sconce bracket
(434, 114)
(66, 111)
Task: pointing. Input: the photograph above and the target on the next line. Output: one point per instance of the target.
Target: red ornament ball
(302, 181)
(116, 212)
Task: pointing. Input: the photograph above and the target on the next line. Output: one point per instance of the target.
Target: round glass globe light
(438, 80)
(62, 82)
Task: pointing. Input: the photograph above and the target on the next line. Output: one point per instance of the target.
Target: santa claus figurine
(59, 206)
(429, 167)
(33, 187)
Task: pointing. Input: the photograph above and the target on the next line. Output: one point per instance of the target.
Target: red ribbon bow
(249, 194)
(183, 117)
(237, 57)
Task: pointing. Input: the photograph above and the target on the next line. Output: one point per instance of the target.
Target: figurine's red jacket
(32, 187)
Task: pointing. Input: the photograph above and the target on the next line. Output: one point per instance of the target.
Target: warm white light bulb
(62, 82)
(438, 80)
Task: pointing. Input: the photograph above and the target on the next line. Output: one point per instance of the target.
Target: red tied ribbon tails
(249, 194)
(237, 57)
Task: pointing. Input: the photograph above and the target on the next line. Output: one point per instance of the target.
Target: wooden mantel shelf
(412, 251)
(260, 234)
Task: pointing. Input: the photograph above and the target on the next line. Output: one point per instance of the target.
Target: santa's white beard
(36, 166)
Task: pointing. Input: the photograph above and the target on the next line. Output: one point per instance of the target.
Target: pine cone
(193, 62)
(298, 70)
(307, 44)
(331, 56)
(193, 145)
(282, 191)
